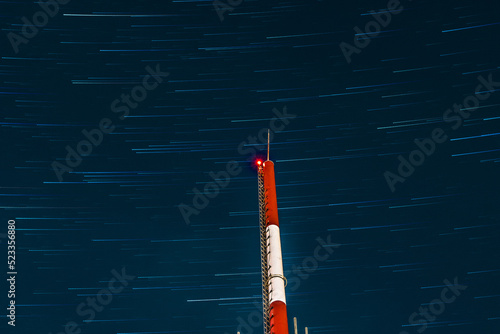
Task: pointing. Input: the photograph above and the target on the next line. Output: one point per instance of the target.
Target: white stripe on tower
(274, 259)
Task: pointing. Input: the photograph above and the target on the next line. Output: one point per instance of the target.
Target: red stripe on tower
(270, 189)
(278, 318)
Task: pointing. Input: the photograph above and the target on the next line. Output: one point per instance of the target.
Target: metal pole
(268, 141)
(295, 325)
(307, 332)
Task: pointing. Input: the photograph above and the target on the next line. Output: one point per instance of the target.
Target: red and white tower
(273, 280)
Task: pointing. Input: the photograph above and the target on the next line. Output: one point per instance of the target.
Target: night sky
(116, 117)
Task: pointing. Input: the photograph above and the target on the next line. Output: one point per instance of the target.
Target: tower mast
(273, 280)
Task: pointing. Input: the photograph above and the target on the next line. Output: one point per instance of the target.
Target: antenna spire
(268, 141)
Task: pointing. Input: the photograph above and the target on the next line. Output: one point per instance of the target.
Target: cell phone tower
(273, 281)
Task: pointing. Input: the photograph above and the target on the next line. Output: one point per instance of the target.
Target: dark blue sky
(416, 102)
